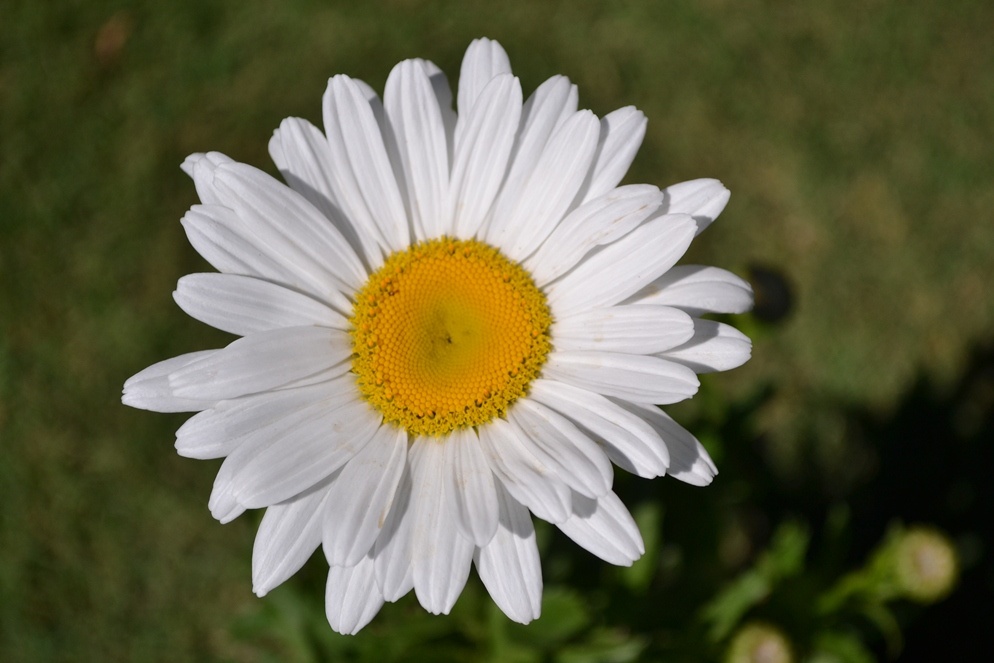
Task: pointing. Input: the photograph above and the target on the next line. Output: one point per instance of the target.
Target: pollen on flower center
(446, 335)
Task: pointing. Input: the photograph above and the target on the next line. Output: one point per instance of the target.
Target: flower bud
(925, 564)
(759, 643)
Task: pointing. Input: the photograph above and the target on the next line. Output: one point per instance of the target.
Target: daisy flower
(450, 320)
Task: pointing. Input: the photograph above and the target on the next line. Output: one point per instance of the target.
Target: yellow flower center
(446, 335)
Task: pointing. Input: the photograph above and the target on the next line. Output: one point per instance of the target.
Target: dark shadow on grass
(936, 457)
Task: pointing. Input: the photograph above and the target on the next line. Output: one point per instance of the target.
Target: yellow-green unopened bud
(925, 564)
(759, 643)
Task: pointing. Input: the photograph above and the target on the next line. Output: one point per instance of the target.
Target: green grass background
(855, 137)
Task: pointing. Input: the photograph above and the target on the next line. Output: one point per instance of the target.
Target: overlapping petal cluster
(537, 180)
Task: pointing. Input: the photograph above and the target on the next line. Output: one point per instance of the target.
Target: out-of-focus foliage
(783, 561)
(855, 137)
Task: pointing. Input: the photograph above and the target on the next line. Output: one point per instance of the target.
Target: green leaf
(783, 559)
(563, 616)
(638, 576)
(838, 647)
(604, 646)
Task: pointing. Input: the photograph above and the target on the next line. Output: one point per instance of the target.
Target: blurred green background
(856, 139)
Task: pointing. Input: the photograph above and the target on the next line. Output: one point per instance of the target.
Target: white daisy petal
(222, 503)
(301, 152)
(547, 108)
(605, 528)
(392, 552)
(522, 474)
(369, 94)
(550, 189)
(288, 535)
(483, 141)
(389, 144)
(642, 379)
(201, 168)
(632, 262)
(603, 220)
(246, 423)
(485, 59)
(331, 374)
(440, 86)
(219, 236)
(244, 305)
(552, 103)
(190, 162)
(621, 136)
(509, 565)
(715, 346)
(345, 188)
(305, 455)
(698, 290)
(689, 460)
(441, 554)
(363, 495)
(560, 445)
(218, 431)
(190, 443)
(150, 389)
(266, 360)
(352, 597)
(633, 329)
(629, 442)
(357, 145)
(703, 199)
(417, 123)
(323, 262)
(472, 487)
